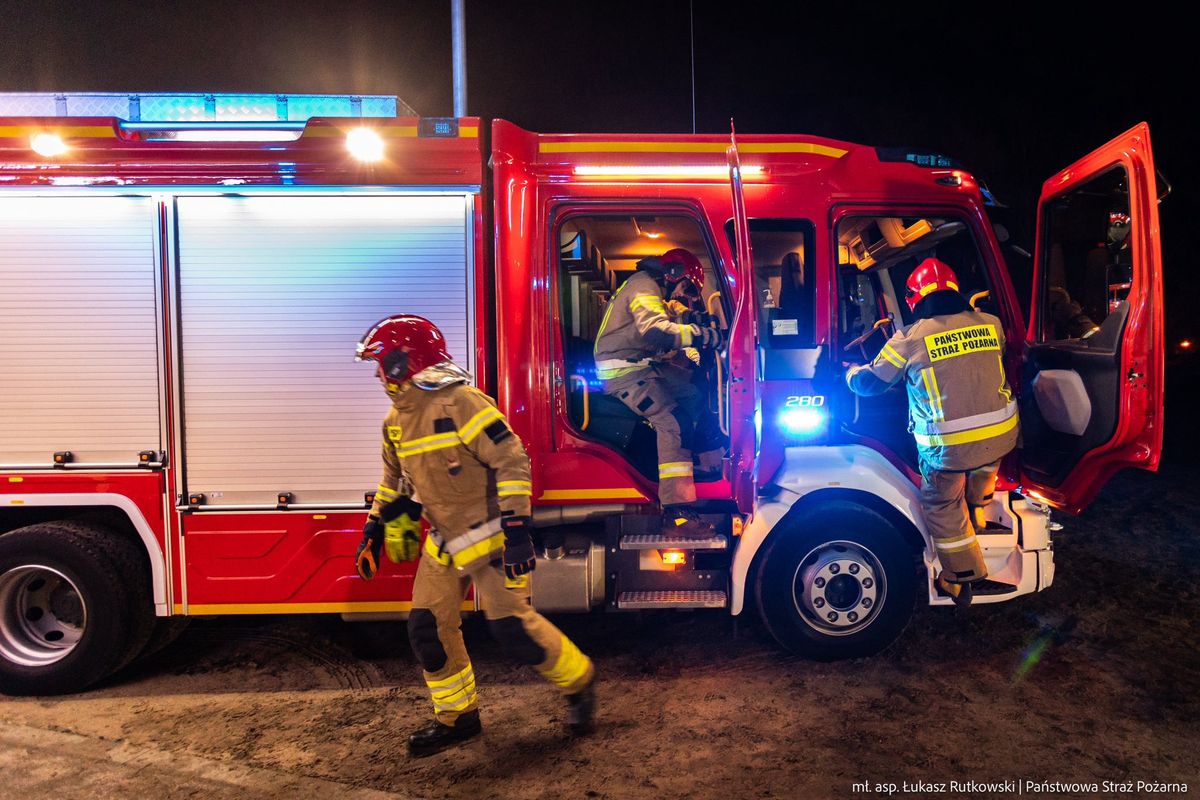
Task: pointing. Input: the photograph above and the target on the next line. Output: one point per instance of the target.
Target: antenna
(692, 36)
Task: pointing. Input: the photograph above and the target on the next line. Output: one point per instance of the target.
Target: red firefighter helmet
(930, 276)
(403, 345)
(682, 265)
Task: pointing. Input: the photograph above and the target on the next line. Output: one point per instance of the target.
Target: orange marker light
(674, 557)
(1186, 344)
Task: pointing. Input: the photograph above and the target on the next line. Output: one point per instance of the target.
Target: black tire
(130, 562)
(86, 595)
(166, 630)
(837, 582)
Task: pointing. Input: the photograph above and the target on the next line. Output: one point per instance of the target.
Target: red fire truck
(184, 431)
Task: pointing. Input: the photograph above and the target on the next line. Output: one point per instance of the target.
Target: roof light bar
(662, 171)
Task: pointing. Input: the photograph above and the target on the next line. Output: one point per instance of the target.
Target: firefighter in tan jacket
(450, 457)
(635, 333)
(961, 412)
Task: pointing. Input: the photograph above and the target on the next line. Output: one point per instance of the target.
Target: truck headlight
(802, 421)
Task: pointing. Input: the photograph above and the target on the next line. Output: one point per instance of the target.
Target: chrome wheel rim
(839, 588)
(42, 615)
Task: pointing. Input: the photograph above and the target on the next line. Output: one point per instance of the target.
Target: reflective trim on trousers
(570, 667)
(510, 488)
(456, 693)
(675, 469)
(956, 545)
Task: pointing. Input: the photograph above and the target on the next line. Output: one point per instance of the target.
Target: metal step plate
(672, 598)
(658, 541)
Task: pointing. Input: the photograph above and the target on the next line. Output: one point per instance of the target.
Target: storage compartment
(274, 293)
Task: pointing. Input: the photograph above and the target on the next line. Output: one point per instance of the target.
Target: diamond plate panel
(173, 108)
(672, 598)
(302, 107)
(643, 541)
(379, 106)
(28, 105)
(247, 107)
(98, 105)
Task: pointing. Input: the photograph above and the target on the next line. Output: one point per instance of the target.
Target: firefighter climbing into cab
(450, 457)
(635, 336)
(961, 412)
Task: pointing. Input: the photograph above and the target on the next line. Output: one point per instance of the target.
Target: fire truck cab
(185, 432)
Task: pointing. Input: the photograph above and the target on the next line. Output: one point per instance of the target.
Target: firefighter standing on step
(449, 456)
(961, 412)
(636, 330)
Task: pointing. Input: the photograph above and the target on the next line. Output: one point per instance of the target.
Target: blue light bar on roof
(173, 107)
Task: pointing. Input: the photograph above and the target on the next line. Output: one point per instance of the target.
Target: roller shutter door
(79, 332)
(275, 292)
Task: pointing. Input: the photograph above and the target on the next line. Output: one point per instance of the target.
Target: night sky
(1013, 93)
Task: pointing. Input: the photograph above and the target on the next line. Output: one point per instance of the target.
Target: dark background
(1013, 92)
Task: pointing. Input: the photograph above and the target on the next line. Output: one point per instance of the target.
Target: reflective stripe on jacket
(636, 328)
(453, 450)
(961, 409)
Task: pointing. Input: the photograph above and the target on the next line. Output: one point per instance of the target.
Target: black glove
(709, 339)
(366, 560)
(401, 505)
(518, 546)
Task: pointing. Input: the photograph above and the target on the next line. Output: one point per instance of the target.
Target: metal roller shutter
(275, 291)
(79, 334)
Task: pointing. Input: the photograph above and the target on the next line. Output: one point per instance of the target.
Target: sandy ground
(1097, 679)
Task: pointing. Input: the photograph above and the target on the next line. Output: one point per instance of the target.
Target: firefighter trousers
(435, 633)
(649, 395)
(684, 383)
(947, 500)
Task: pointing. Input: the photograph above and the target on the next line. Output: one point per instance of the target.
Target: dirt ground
(1096, 679)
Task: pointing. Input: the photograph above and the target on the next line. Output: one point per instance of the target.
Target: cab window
(1087, 264)
(784, 284)
(876, 254)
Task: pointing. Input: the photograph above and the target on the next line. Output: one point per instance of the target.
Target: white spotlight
(47, 144)
(364, 144)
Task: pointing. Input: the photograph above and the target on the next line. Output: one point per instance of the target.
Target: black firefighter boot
(684, 522)
(435, 736)
(581, 708)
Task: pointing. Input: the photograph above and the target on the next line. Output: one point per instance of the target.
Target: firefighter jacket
(961, 410)
(447, 445)
(636, 329)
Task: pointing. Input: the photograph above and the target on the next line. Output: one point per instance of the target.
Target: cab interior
(597, 253)
(876, 254)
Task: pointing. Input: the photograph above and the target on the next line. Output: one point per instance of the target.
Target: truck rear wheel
(65, 609)
(838, 582)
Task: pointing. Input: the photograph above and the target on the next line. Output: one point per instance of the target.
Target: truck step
(993, 587)
(659, 541)
(672, 598)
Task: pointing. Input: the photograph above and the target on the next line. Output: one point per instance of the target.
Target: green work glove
(402, 529)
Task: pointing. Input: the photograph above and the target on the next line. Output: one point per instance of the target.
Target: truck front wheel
(64, 610)
(837, 582)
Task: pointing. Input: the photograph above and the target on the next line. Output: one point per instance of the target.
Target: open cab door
(1092, 382)
(745, 419)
